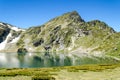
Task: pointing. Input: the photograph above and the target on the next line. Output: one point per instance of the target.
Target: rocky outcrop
(9, 35)
(38, 42)
(22, 51)
(4, 31)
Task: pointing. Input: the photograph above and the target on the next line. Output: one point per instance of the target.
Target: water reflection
(34, 60)
(8, 60)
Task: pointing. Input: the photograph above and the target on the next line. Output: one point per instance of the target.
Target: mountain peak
(74, 15)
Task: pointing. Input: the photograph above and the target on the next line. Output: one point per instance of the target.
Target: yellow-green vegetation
(55, 72)
(20, 42)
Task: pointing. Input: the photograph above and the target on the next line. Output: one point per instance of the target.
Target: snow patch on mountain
(15, 39)
(14, 28)
(1, 23)
(3, 44)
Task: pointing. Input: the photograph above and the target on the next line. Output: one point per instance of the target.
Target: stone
(22, 51)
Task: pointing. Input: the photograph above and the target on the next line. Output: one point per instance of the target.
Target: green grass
(49, 73)
(16, 78)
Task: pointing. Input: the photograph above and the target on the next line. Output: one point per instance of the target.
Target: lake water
(34, 60)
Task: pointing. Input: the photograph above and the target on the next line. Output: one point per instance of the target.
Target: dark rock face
(22, 51)
(4, 31)
(56, 29)
(47, 48)
(38, 42)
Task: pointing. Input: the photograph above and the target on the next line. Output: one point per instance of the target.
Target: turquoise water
(34, 60)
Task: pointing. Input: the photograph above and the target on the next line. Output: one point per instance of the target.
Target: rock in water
(22, 51)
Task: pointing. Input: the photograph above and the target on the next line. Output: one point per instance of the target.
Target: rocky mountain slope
(9, 35)
(66, 33)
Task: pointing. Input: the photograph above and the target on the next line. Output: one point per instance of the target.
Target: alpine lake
(46, 59)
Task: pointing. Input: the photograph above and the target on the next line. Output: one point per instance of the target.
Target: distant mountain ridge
(69, 33)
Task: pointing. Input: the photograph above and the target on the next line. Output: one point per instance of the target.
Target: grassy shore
(83, 72)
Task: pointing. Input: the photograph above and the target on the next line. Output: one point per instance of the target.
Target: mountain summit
(72, 16)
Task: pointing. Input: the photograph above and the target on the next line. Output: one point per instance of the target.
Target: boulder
(22, 51)
(38, 42)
